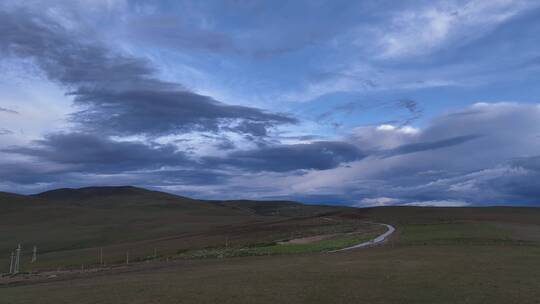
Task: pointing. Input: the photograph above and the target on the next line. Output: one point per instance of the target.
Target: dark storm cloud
(156, 112)
(90, 153)
(428, 146)
(529, 163)
(199, 176)
(517, 188)
(27, 173)
(6, 110)
(119, 94)
(320, 155)
(36, 178)
(78, 159)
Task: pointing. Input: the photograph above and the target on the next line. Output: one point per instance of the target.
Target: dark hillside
(430, 215)
(63, 220)
(113, 197)
(11, 201)
(279, 208)
(100, 216)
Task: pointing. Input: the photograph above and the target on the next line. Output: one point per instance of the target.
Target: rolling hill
(68, 220)
(99, 216)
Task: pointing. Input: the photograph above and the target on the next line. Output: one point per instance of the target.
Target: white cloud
(404, 129)
(377, 202)
(476, 171)
(383, 136)
(422, 30)
(386, 128)
(437, 203)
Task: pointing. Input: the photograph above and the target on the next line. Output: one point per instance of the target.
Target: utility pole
(17, 260)
(34, 254)
(127, 257)
(227, 241)
(12, 263)
(101, 256)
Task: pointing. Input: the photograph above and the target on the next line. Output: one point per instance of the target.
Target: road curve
(381, 238)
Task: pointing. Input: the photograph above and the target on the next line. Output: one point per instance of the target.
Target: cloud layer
(119, 94)
(360, 103)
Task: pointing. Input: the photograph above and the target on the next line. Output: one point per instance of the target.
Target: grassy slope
(277, 208)
(446, 274)
(66, 223)
(67, 219)
(70, 225)
(462, 255)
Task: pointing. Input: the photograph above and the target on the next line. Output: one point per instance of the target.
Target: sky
(361, 103)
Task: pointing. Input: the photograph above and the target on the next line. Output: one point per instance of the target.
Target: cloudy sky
(365, 103)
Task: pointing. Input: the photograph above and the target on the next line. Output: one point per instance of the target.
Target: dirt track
(378, 240)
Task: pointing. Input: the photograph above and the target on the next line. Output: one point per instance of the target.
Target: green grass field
(333, 243)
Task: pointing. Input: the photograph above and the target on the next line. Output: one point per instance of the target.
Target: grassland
(333, 243)
(471, 265)
(251, 238)
(72, 227)
(437, 255)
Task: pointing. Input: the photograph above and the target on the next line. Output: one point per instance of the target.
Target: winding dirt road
(381, 238)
